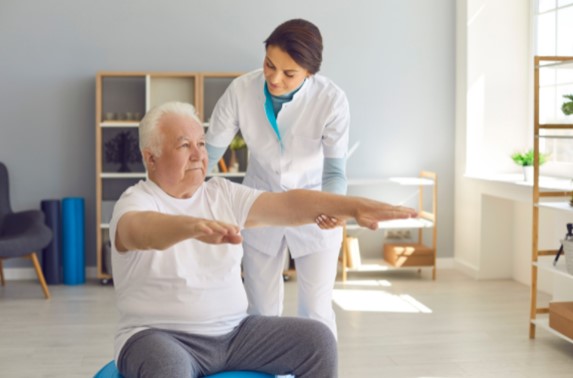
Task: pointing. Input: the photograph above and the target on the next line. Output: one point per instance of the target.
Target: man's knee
(154, 354)
(322, 336)
(320, 342)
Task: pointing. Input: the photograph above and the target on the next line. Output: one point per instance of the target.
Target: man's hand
(215, 232)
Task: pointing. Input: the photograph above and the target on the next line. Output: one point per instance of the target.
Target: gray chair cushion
(20, 232)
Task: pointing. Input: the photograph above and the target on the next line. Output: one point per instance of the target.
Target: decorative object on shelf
(525, 160)
(561, 317)
(122, 149)
(107, 257)
(237, 145)
(567, 106)
(568, 252)
(109, 116)
(568, 236)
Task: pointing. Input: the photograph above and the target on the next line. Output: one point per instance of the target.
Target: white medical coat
(314, 125)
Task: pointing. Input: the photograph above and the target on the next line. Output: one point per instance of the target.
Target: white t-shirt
(192, 286)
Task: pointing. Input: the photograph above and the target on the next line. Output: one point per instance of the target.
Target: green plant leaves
(567, 106)
(526, 158)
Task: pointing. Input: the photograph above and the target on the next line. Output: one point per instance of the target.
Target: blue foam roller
(73, 247)
(51, 256)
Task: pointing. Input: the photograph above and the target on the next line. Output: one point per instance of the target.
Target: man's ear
(149, 158)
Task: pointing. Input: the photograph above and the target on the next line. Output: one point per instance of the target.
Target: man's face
(182, 165)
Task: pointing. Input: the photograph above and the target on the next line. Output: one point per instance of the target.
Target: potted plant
(525, 160)
(237, 145)
(567, 106)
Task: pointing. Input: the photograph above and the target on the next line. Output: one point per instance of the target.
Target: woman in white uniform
(295, 123)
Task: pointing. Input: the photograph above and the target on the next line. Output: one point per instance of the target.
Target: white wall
(395, 59)
(493, 119)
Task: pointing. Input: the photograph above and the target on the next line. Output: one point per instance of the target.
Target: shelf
(545, 182)
(555, 183)
(544, 323)
(379, 265)
(395, 224)
(412, 181)
(564, 62)
(563, 206)
(119, 124)
(559, 269)
(165, 87)
(126, 175)
(405, 181)
(555, 136)
(556, 126)
(227, 174)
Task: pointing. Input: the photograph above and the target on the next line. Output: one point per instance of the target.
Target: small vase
(528, 173)
(233, 162)
(123, 167)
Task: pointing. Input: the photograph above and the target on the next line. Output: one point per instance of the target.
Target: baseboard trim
(25, 273)
(467, 269)
(445, 263)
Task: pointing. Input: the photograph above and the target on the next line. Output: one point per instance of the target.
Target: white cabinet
(426, 192)
(562, 291)
(122, 98)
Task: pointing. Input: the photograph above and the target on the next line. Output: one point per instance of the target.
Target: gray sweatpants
(273, 345)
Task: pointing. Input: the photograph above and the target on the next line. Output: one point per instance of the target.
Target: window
(554, 37)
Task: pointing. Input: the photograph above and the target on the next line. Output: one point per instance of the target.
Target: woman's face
(282, 73)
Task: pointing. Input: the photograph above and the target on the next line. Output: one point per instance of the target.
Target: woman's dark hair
(300, 39)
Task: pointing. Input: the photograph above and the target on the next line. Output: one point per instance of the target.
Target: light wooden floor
(394, 324)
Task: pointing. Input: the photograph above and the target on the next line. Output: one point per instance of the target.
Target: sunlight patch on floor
(376, 283)
(377, 301)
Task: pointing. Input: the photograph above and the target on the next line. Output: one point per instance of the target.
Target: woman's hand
(368, 216)
(326, 222)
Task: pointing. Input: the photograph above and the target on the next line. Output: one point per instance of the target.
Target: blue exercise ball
(110, 371)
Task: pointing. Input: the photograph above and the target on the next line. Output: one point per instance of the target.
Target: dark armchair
(22, 234)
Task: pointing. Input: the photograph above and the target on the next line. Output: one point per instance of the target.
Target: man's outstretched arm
(142, 230)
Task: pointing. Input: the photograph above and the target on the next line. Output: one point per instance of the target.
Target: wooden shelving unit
(122, 98)
(427, 221)
(556, 199)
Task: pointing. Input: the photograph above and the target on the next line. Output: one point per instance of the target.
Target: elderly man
(177, 252)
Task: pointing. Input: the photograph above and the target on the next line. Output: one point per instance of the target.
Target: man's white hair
(149, 135)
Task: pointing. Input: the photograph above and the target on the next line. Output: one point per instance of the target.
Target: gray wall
(394, 58)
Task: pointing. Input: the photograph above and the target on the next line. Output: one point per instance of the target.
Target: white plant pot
(528, 173)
